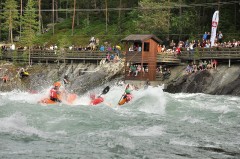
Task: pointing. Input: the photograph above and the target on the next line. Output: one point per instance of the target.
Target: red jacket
(54, 93)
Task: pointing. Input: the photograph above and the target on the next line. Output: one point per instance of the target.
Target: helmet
(92, 96)
(128, 91)
(57, 84)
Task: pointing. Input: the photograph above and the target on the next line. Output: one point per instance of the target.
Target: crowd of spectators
(93, 45)
(205, 42)
(113, 51)
(202, 65)
(135, 69)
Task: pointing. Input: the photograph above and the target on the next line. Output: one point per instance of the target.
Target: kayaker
(23, 73)
(94, 100)
(99, 99)
(128, 95)
(55, 92)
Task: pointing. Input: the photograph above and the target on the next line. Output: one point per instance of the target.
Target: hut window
(146, 46)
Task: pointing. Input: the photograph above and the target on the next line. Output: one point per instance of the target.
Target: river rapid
(155, 124)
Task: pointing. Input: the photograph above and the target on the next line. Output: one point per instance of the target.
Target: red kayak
(69, 99)
(97, 101)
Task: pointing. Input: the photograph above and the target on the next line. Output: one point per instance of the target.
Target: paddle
(105, 90)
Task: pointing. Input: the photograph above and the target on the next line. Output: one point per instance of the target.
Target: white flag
(215, 20)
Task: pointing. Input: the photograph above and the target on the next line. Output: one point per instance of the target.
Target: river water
(155, 124)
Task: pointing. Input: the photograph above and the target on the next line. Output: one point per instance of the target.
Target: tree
(40, 25)
(152, 17)
(73, 18)
(10, 17)
(29, 27)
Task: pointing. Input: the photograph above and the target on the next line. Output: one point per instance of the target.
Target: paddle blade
(106, 90)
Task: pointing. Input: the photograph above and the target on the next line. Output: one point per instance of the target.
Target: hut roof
(141, 37)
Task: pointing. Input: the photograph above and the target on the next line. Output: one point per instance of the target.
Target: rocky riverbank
(84, 77)
(221, 81)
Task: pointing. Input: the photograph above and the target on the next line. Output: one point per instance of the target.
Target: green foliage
(29, 24)
(152, 17)
(186, 22)
(1, 54)
(160, 17)
(25, 56)
(15, 56)
(10, 18)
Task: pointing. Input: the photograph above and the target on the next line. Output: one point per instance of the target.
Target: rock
(223, 81)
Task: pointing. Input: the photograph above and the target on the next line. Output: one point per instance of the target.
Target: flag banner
(215, 20)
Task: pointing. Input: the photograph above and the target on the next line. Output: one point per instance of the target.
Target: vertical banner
(215, 20)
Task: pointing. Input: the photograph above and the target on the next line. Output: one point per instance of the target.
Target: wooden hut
(141, 57)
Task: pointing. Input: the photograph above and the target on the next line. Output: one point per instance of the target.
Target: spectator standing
(159, 48)
(220, 37)
(102, 48)
(205, 36)
(208, 36)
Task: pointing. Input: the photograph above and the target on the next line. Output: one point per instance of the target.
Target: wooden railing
(54, 55)
(222, 53)
(168, 58)
(135, 57)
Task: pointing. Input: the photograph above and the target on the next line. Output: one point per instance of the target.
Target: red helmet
(57, 84)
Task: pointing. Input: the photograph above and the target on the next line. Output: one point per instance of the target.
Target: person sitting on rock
(166, 73)
(5, 78)
(66, 79)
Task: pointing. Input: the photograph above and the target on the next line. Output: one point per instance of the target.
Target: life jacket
(129, 97)
(97, 101)
(53, 93)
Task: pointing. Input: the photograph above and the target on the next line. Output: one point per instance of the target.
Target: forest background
(73, 22)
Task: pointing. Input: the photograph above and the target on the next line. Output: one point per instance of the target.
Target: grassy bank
(81, 35)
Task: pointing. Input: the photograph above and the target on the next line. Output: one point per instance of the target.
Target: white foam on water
(151, 100)
(17, 124)
(153, 131)
(23, 97)
(205, 102)
(183, 142)
(122, 141)
(191, 119)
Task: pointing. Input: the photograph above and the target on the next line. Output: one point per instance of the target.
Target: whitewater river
(153, 125)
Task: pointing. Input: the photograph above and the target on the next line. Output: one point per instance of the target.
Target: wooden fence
(135, 57)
